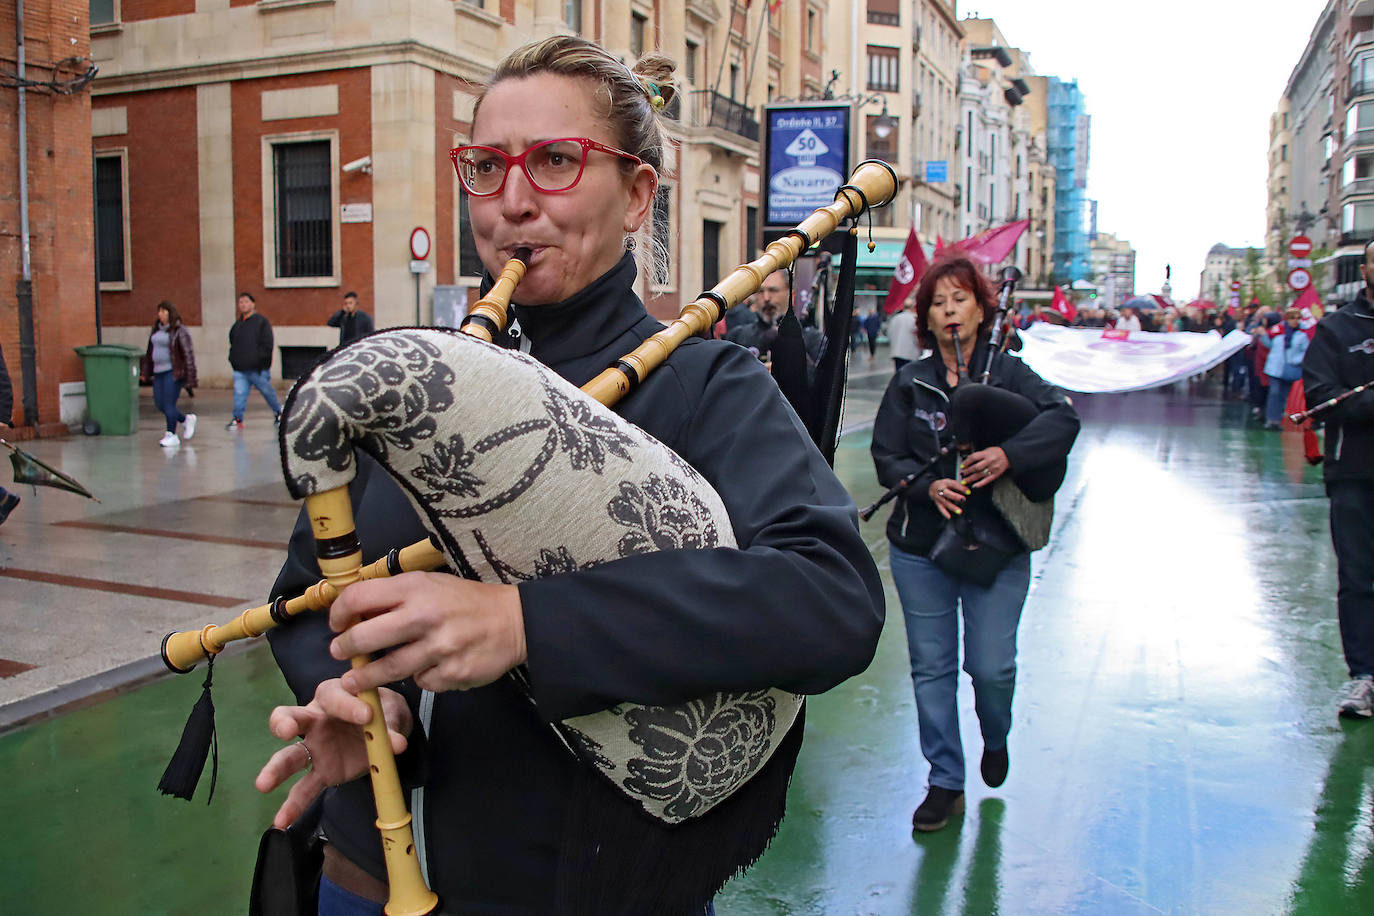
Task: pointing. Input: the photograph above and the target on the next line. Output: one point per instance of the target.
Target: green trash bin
(112, 387)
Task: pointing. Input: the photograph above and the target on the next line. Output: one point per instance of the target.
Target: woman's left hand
(446, 632)
(983, 468)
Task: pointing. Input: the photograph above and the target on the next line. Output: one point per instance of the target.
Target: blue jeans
(261, 380)
(930, 605)
(166, 390)
(1278, 399)
(335, 901)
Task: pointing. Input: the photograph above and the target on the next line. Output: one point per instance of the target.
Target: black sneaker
(7, 504)
(234, 425)
(939, 806)
(994, 766)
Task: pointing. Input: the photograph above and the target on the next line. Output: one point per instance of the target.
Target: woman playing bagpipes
(565, 160)
(955, 313)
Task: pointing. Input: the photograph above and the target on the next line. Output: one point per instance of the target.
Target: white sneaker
(1357, 698)
(169, 440)
(189, 428)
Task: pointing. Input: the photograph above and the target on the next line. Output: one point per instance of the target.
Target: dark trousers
(1352, 535)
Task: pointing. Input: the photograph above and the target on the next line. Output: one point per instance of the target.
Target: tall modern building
(1069, 127)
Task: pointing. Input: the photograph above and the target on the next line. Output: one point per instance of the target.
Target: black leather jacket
(913, 424)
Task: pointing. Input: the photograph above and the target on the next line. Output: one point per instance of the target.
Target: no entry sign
(1300, 247)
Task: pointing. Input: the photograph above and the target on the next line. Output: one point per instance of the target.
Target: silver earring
(630, 243)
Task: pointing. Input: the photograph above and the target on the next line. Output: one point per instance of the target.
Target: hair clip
(655, 97)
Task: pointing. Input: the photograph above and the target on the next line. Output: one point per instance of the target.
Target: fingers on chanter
(371, 598)
(400, 663)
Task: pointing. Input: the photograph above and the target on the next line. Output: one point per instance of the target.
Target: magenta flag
(992, 246)
(907, 275)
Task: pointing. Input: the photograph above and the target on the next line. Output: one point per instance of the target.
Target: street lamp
(886, 124)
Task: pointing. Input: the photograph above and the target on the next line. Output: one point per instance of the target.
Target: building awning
(885, 256)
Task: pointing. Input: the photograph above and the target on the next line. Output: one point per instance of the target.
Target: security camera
(363, 165)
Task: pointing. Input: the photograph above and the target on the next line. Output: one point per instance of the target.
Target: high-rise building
(1069, 127)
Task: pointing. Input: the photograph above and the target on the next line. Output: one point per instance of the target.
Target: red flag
(1310, 304)
(1061, 304)
(939, 244)
(992, 246)
(907, 275)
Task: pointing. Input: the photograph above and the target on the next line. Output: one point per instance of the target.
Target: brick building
(289, 148)
(57, 227)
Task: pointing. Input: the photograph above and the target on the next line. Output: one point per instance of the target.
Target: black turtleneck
(799, 605)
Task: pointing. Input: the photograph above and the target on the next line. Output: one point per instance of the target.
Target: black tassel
(198, 740)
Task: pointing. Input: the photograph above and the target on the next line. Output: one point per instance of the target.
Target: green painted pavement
(1175, 747)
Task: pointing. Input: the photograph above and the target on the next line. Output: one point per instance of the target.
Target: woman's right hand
(327, 744)
(948, 496)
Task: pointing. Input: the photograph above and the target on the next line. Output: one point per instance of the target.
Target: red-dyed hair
(962, 272)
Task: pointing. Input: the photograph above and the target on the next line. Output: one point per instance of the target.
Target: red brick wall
(164, 196)
(301, 306)
(60, 213)
(134, 10)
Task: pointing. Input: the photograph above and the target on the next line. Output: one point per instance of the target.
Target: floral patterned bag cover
(520, 475)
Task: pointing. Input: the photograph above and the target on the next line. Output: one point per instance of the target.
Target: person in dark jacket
(351, 321)
(797, 604)
(170, 365)
(250, 356)
(913, 423)
(8, 500)
(759, 330)
(1339, 359)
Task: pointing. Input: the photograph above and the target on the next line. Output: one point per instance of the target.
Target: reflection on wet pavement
(1175, 747)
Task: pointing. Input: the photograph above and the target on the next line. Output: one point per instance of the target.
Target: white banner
(1097, 361)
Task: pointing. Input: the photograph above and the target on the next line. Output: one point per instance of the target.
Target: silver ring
(940, 492)
(309, 760)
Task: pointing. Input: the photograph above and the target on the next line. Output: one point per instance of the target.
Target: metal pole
(24, 288)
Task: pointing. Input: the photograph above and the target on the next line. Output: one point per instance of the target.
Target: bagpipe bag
(520, 475)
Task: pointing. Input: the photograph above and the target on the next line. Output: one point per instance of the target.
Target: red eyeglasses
(554, 165)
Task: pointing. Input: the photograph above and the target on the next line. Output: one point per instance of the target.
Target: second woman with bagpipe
(950, 545)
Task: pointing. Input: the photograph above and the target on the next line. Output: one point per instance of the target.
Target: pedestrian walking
(351, 321)
(8, 500)
(912, 425)
(250, 356)
(873, 327)
(1284, 367)
(170, 365)
(901, 335)
(1341, 358)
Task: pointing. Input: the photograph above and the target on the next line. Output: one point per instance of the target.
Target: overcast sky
(1180, 93)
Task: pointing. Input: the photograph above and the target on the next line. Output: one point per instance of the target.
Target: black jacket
(6, 391)
(351, 327)
(913, 425)
(250, 343)
(799, 606)
(1340, 358)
